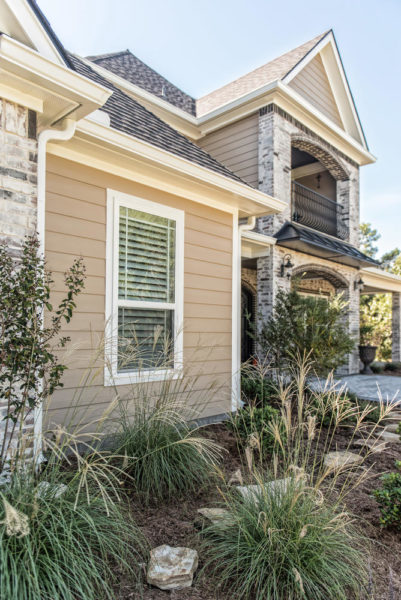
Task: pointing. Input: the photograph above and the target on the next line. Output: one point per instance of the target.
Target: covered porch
(378, 281)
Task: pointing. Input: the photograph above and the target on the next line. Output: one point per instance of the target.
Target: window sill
(141, 377)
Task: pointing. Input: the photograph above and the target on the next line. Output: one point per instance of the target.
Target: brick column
(396, 327)
(18, 187)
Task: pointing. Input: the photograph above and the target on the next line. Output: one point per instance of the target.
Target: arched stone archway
(316, 272)
(322, 154)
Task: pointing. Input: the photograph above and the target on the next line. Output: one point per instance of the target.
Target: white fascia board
(259, 238)
(33, 29)
(248, 200)
(29, 70)
(382, 280)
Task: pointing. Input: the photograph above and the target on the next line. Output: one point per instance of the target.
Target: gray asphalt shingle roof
(127, 115)
(129, 67)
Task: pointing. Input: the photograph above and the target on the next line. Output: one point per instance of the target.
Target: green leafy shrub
(165, 454)
(256, 390)
(306, 326)
(30, 369)
(389, 498)
(377, 368)
(284, 544)
(260, 427)
(392, 366)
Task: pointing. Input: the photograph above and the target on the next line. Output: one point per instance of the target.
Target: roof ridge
(95, 57)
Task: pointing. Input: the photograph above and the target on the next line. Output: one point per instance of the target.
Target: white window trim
(116, 199)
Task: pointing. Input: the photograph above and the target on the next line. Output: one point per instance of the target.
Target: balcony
(316, 211)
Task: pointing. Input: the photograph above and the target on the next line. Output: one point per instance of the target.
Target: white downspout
(45, 136)
(236, 362)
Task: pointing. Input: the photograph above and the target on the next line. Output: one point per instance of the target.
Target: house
(184, 210)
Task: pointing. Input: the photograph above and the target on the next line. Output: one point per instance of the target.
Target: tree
(368, 236)
(30, 370)
(375, 310)
(306, 326)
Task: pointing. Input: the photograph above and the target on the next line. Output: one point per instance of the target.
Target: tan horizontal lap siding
(236, 147)
(313, 84)
(76, 226)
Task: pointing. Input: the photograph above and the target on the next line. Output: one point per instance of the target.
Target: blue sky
(201, 45)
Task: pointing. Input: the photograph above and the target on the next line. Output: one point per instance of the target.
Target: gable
(313, 84)
(23, 21)
(321, 80)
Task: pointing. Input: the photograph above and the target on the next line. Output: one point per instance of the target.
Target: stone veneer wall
(18, 186)
(396, 327)
(278, 131)
(18, 173)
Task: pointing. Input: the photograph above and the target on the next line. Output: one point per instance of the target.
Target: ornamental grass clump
(164, 451)
(64, 531)
(291, 536)
(285, 544)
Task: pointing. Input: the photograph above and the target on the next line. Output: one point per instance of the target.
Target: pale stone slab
(338, 459)
(215, 515)
(253, 491)
(50, 490)
(392, 427)
(387, 436)
(372, 444)
(172, 568)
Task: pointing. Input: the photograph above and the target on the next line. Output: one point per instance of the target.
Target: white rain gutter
(44, 137)
(236, 300)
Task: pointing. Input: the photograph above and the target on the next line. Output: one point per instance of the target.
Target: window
(144, 278)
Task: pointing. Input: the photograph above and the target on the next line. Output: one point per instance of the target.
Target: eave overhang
(306, 240)
(255, 245)
(51, 89)
(99, 146)
(274, 92)
(378, 281)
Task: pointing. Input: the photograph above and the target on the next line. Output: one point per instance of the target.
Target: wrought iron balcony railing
(316, 211)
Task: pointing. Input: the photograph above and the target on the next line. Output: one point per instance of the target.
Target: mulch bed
(175, 524)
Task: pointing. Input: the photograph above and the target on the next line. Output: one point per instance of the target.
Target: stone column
(18, 178)
(18, 187)
(396, 327)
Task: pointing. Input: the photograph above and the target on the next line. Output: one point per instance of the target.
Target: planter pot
(367, 355)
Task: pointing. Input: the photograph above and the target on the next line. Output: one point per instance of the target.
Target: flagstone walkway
(367, 387)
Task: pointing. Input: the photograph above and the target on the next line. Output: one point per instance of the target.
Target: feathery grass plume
(310, 418)
(72, 536)
(164, 450)
(280, 544)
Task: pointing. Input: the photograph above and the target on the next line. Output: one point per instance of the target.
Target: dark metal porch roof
(312, 242)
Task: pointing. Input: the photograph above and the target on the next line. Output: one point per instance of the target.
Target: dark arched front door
(247, 319)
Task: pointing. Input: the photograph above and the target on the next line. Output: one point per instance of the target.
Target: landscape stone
(50, 490)
(343, 458)
(172, 568)
(253, 491)
(388, 436)
(372, 444)
(392, 427)
(215, 515)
